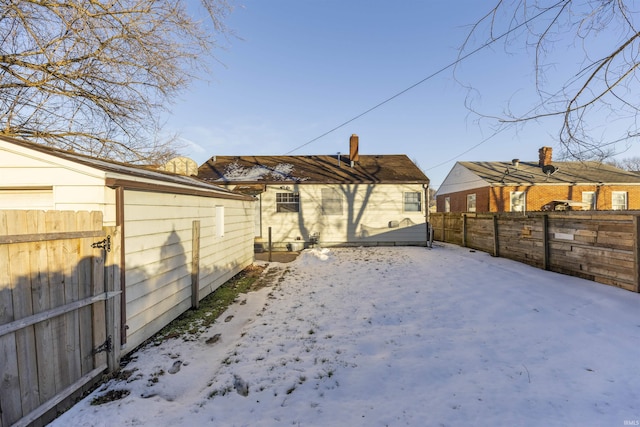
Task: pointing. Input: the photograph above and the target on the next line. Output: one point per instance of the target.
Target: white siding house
(332, 200)
(158, 214)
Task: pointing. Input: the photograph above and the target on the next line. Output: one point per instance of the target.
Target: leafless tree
(94, 76)
(596, 94)
(630, 163)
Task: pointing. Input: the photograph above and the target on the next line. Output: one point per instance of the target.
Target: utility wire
(446, 67)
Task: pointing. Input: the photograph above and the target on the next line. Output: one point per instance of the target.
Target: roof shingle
(313, 169)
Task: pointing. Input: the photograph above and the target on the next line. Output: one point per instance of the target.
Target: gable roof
(565, 173)
(116, 173)
(313, 169)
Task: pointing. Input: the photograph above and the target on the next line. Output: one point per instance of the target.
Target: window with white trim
(287, 202)
(471, 202)
(331, 202)
(589, 197)
(220, 221)
(413, 201)
(518, 201)
(619, 200)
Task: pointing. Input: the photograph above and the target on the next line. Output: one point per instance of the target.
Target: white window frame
(287, 202)
(331, 201)
(515, 196)
(220, 221)
(412, 201)
(471, 202)
(622, 202)
(590, 198)
(447, 204)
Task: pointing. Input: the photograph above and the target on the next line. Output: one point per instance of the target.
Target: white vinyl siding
(370, 213)
(27, 198)
(158, 251)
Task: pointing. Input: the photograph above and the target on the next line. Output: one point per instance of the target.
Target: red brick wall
(459, 200)
(497, 199)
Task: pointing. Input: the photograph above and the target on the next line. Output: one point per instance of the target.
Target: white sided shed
(174, 230)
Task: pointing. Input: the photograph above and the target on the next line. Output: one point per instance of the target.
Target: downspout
(123, 284)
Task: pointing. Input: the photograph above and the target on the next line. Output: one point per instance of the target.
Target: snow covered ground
(401, 336)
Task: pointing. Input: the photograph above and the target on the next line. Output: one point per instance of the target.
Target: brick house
(518, 186)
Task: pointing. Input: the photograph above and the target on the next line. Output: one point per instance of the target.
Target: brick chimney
(353, 149)
(545, 156)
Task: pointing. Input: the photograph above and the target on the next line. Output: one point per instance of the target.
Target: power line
(450, 65)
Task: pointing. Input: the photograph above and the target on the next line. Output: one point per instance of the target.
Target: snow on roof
(280, 172)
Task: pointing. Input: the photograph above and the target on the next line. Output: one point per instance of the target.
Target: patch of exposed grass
(192, 323)
(110, 396)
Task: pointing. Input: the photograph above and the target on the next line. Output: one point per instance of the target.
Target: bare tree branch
(600, 93)
(94, 76)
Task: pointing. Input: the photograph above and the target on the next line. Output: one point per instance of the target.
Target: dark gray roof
(389, 168)
(505, 173)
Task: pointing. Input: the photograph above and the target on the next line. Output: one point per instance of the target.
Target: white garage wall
(158, 254)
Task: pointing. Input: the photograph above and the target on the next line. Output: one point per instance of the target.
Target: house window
(589, 198)
(471, 202)
(287, 202)
(447, 204)
(220, 221)
(412, 202)
(518, 201)
(618, 200)
(331, 202)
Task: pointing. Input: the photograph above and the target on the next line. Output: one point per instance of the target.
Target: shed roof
(567, 173)
(121, 173)
(312, 169)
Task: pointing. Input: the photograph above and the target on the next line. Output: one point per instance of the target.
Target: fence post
(113, 287)
(545, 242)
(195, 265)
(636, 254)
(269, 244)
(496, 248)
(464, 230)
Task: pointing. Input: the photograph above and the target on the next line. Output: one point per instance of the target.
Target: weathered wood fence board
(53, 305)
(599, 246)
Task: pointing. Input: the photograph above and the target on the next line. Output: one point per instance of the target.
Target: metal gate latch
(103, 244)
(106, 346)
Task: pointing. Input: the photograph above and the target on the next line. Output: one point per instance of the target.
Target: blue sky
(301, 68)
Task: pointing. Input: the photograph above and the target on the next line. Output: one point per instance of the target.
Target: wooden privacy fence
(598, 246)
(59, 310)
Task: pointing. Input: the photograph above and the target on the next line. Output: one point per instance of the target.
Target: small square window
(413, 202)
(618, 200)
(287, 202)
(331, 202)
(589, 199)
